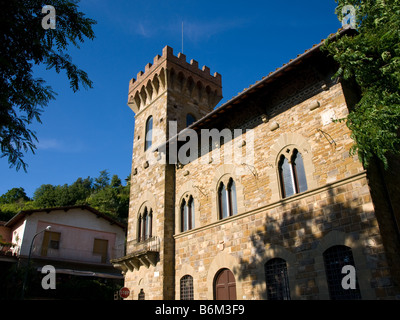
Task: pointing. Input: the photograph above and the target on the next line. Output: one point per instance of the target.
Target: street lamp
(29, 259)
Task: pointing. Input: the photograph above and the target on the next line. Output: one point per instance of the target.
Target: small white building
(80, 241)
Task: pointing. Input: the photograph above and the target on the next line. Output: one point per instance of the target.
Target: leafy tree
(371, 59)
(105, 200)
(45, 196)
(102, 181)
(14, 195)
(25, 43)
(81, 190)
(115, 181)
(12, 202)
(110, 198)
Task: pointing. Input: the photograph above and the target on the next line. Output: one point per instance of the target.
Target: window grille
(187, 288)
(277, 280)
(335, 258)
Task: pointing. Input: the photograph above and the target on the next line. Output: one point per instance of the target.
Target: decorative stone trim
(273, 126)
(278, 203)
(292, 140)
(185, 190)
(149, 200)
(223, 174)
(314, 105)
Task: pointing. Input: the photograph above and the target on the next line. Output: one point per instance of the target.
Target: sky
(91, 130)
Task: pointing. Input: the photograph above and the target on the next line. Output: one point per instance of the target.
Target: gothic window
(145, 225)
(227, 199)
(190, 119)
(148, 134)
(335, 258)
(187, 287)
(299, 172)
(139, 224)
(276, 278)
(187, 214)
(292, 174)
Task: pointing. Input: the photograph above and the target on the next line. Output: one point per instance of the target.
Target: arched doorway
(225, 285)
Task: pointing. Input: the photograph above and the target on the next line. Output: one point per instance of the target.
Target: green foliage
(25, 43)
(371, 59)
(14, 195)
(110, 198)
(102, 180)
(8, 210)
(12, 202)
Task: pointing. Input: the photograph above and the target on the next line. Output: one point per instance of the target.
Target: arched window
(149, 225)
(227, 199)
(139, 224)
(223, 208)
(187, 214)
(299, 172)
(187, 287)
(148, 133)
(145, 225)
(277, 280)
(232, 197)
(190, 119)
(292, 175)
(192, 212)
(335, 258)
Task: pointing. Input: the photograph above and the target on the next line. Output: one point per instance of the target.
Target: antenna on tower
(182, 36)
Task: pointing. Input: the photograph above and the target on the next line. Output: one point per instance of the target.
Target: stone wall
(168, 90)
(294, 112)
(336, 209)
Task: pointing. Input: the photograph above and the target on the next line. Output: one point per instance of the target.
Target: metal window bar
(335, 258)
(151, 244)
(277, 280)
(187, 288)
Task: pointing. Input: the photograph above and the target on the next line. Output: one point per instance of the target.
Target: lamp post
(29, 260)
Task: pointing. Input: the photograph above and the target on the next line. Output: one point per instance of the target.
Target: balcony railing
(139, 253)
(149, 245)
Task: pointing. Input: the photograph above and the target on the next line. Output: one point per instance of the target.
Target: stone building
(279, 219)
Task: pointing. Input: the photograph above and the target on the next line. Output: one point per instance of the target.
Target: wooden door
(225, 285)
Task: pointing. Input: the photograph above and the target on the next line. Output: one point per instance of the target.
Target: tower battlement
(180, 60)
(176, 74)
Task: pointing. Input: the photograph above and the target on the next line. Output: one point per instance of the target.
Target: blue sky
(85, 132)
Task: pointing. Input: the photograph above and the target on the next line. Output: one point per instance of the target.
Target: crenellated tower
(190, 90)
(169, 89)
